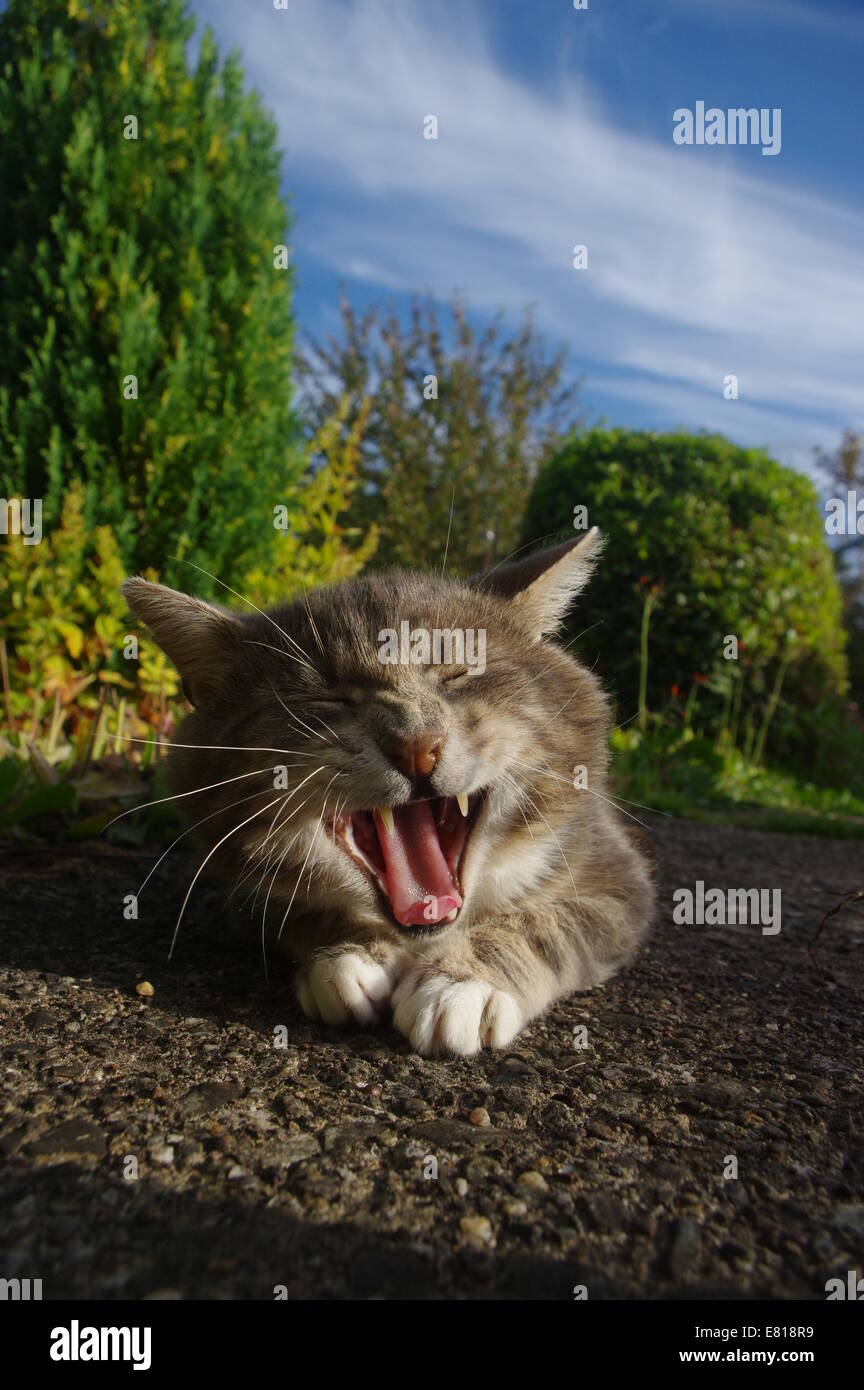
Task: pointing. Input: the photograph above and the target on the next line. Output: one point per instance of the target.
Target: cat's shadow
(70, 916)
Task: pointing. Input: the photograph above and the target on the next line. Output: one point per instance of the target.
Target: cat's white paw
(346, 988)
(439, 1015)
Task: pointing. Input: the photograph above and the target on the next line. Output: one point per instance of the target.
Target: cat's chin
(413, 855)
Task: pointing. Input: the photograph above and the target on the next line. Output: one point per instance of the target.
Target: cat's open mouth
(413, 854)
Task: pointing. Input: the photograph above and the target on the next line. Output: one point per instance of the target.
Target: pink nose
(417, 756)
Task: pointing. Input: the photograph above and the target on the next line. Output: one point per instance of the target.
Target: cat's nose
(416, 756)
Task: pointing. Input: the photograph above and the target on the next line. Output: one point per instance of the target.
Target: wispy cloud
(701, 261)
(827, 20)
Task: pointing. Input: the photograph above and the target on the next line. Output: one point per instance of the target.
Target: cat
(435, 839)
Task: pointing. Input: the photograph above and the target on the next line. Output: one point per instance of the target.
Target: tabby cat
(429, 838)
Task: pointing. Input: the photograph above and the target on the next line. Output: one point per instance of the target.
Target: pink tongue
(419, 882)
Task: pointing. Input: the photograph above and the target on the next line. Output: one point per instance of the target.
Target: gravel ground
(304, 1166)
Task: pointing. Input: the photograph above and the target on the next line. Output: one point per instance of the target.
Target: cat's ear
(200, 638)
(544, 584)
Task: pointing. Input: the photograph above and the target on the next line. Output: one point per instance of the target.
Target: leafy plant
(88, 700)
(65, 633)
(316, 547)
(455, 415)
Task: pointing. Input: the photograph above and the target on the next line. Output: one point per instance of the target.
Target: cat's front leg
(472, 989)
(479, 988)
(440, 1013)
(349, 982)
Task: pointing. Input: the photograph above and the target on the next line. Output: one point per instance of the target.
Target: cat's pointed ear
(544, 584)
(200, 638)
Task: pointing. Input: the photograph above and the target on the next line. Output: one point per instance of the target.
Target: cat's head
(399, 749)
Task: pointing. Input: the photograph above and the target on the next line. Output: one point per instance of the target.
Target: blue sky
(555, 128)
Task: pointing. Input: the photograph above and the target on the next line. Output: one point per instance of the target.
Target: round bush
(730, 543)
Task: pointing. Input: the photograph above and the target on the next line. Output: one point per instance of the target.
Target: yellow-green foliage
(64, 621)
(67, 630)
(313, 550)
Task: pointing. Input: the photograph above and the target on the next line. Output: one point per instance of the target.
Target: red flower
(700, 680)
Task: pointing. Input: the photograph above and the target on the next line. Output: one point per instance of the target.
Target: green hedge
(151, 257)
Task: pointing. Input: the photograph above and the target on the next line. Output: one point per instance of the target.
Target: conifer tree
(145, 308)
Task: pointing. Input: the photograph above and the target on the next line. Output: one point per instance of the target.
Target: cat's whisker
(212, 747)
(518, 551)
(284, 802)
(449, 527)
(519, 800)
(301, 873)
(248, 869)
(537, 793)
(280, 651)
(257, 889)
(340, 801)
(316, 634)
(547, 773)
(326, 725)
(244, 599)
(264, 915)
(446, 547)
(283, 856)
(189, 830)
(558, 712)
(536, 678)
(206, 861)
(641, 804)
(259, 772)
(296, 717)
(627, 721)
(298, 788)
(313, 866)
(592, 792)
(321, 822)
(251, 868)
(544, 772)
(561, 852)
(291, 842)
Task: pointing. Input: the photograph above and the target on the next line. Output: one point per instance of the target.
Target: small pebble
(533, 1180)
(461, 1187)
(235, 1173)
(515, 1209)
(477, 1229)
(145, 989)
(480, 1117)
(162, 1153)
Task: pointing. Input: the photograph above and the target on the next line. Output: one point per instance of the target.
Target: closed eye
(458, 679)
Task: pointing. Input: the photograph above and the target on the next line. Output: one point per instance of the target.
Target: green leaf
(12, 774)
(41, 801)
